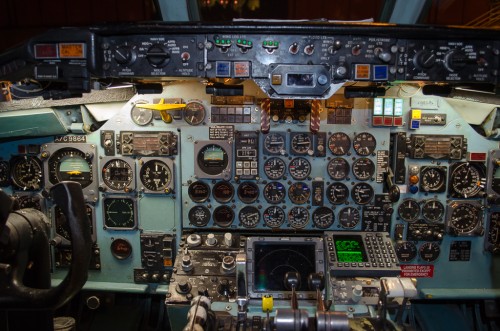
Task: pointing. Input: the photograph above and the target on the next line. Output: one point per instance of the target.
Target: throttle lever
(292, 282)
(316, 283)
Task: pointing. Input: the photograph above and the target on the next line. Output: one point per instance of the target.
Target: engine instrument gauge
(194, 113)
(299, 168)
(433, 211)
(298, 217)
(62, 226)
(467, 180)
(118, 175)
(4, 173)
(141, 116)
(30, 201)
(323, 218)
(249, 217)
(223, 216)
(274, 144)
(464, 218)
(301, 144)
(406, 251)
(337, 193)
(299, 193)
(433, 179)
(156, 176)
(274, 168)
(349, 217)
(248, 192)
(199, 191)
(26, 173)
(199, 216)
(274, 192)
(362, 193)
(71, 164)
(274, 217)
(339, 143)
(223, 191)
(408, 210)
(212, 159)
(363, 168)
(338, 168)
(429, 251)
(119, 213)
(364, 143)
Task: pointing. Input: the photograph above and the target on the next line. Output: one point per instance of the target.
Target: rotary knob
(211, 240)
(228, 263)
(455, 60)
(224, 288)
(125, 55)
(158, 56)
(187, 264)
(183, 287)
(424, 59)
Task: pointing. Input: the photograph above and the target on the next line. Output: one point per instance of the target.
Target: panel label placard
(417, 271)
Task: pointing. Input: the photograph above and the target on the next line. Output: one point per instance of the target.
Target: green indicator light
(228, 41)
(264, 43)
(217, 41)
(250, 43)
(276, 43)
(244, 42)
(239, 41)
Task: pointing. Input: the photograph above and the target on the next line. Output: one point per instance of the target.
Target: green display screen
(350, 249)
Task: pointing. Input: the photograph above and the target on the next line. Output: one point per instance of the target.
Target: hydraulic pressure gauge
(274, 168)
(364, 143)
(199, 216)
(299, 193)
(362, 193)
(467, 180)
(274, 192)
(298, 217)
(299, 168)
(433, 179)
(337, 193)
(339, 143)
(338, 168)
(274, 217)
(199, 191)
(433, 211)
(157, 175)
(406, 251)
(248, 192)
(194, 113)
(408, 210)
(274, 144)
(429, 251)
(323, 218)
(118, 175)
(349, 217)
(301, 143)
(363, 168)
(26, 173)
(249, 217)
(120, 213)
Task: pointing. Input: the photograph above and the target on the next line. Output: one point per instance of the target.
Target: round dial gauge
(323, 217)
(338, 168)
(274, 168)
(274, 143)
(223, 216)
(199, 191)
(62, 226)
(117, 175)
(30, 201)
(299, 168)
(362, 193)
(464, 218)
(194, 113)
(274, 217)
(70, 164)
(141, 116)
(156, 175)
(212, 159)
(119, 213)
(298, 217)
(432, 179)
(249, 217)
(339, 143)
(199, 216)
(26, 173)
(248, 192)
(301, 143)
(409, 210)
(433, 211)
(299, 193)
(349, 217)
(223, 191)
(429, 251)
(363, 168)
(364, 143)
(405, 251)
(4, 173)
(337, 193)
(274, 192)
(466, 180)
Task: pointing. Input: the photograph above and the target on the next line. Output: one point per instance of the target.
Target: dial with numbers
(117, 174)
(274, 192)
(466, 180)
(274, 168)
(339, 143)
(4, 173)
(119, 213)
(433, 211)
(194, 113)
(362, 193)
(223, 216)
(141, 116)
(199, 216)
(465, 218)
(223, 191)
(349, 217)
(274, 143)
(199, 191)
(338, 168)
(301, 143)
(26, 173)
(429, 251)
(298, 217)
(323, 217)
(249, 217)
(408, 210)
(433, 179)
(364, 143)
(337, 193)
(299, 168)
(30, 201)
(71, 164)
(156, 176)
(274, 216)
(299, 193)
(406, 251)
(248, 192)
(363, 168)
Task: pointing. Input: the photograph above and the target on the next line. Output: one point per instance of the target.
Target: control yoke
(25, 255)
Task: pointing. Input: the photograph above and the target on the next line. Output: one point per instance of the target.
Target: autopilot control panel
(264, 167)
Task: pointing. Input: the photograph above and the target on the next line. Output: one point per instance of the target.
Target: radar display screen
(350, 249)
(274, 260)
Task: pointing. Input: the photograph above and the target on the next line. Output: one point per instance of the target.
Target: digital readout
(350, 249)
